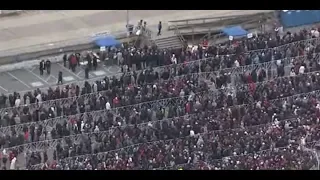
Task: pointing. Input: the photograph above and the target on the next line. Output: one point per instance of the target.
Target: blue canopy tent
(106, 41)
(235, 31)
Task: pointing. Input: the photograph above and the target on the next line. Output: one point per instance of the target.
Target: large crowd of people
(248, 104)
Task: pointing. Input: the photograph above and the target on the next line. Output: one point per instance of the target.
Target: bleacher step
(168, 42)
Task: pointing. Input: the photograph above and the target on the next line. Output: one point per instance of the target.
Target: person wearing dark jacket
(65, 59)
(60, 78)
(89, 59)
(86, 71)
(48, 66)
(42, 67)
(45, 157)
(78, 57)
(95, 63)
(159, 28)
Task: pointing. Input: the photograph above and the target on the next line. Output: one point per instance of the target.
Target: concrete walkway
(26, 31)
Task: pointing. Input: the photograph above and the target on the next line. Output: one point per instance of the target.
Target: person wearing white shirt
(94, 87)
(190, 98)
(303, 141)
(236, 63)
(27, 100)
(39, 98)
(17, 102)
(96, 129)
(13, 163)
(191, 133)
(4, 153)
(82, 126)
(301, 69)
(174, 59)
(316, 33)
(108, 106)
(278, 62)
(292, 73)
(194, 48)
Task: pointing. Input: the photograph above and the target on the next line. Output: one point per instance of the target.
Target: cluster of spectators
(206, 134)
(227, 107)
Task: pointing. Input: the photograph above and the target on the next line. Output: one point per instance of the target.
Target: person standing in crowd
(65, 58)
(159, 28)
(144, 26)
(86, 71)
(78, 58)
(69, 60)
(120, 58)
(95, 62)
(73, 63)
(89, 59)
(134, 61)
(42, 67)
(60, 78)
(48, 66)
(140, 24)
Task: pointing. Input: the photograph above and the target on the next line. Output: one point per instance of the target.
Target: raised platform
(20, 38)
(225, 17)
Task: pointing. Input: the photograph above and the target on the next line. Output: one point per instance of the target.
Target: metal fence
(213, 93)
(234, 71)
(38, 146)
(52, 143)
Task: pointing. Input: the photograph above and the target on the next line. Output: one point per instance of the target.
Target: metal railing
(197, 21)
(175, 101)
(178, 33)
(150, 38)
(40, 144)
(232, 69)
(204, 20)
(50, 144)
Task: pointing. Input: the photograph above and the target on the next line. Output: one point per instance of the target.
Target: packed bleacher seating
(242, 105)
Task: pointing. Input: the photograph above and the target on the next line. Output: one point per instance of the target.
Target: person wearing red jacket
(116, 102)
(252, 87)
(26, 136)
(188, 108)
(205, 43)
(73, 63)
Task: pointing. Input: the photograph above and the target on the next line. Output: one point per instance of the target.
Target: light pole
(127, 18)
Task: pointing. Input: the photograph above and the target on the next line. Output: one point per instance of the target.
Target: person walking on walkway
(60, 78)
(42, 67)
(86, 71)
(159, 28)
(48, 66)
(65, 59)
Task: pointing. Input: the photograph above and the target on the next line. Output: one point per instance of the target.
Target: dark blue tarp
(107, 41)
(292, 18)
(235, 31)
